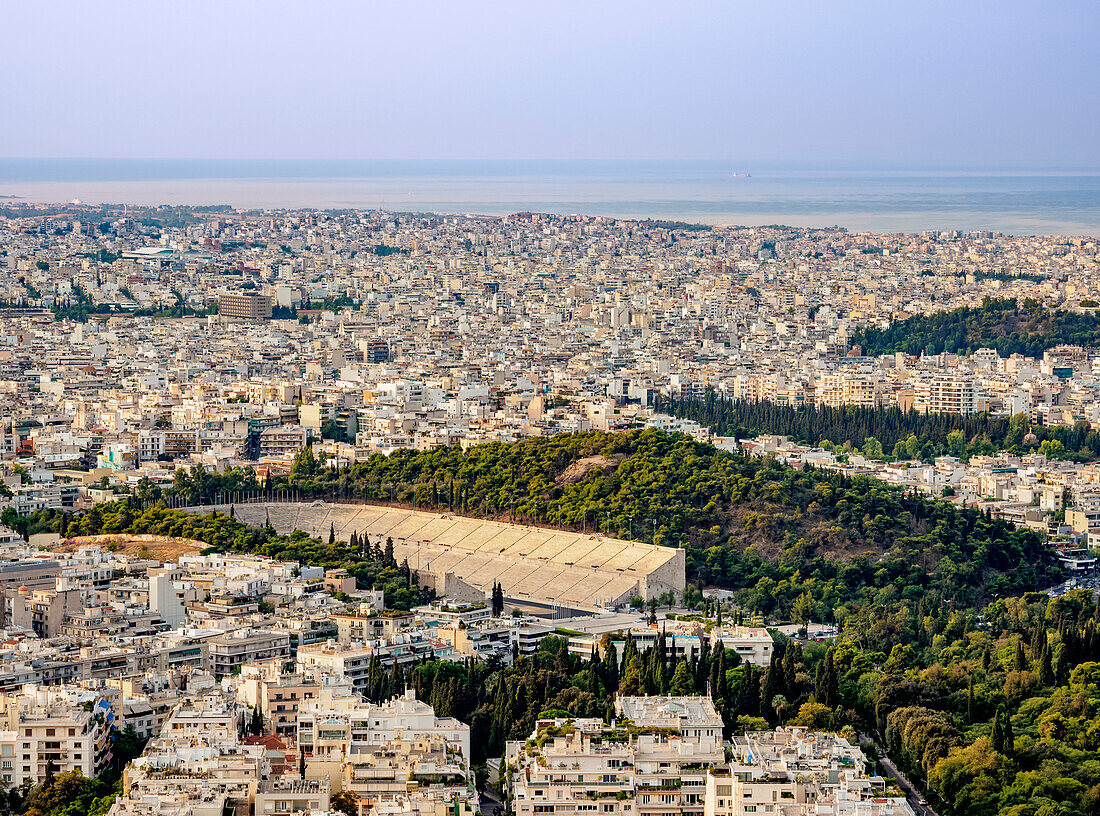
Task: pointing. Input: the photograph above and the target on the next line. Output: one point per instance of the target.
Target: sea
(1015, 201)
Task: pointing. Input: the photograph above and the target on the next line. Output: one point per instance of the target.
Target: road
(488, 803)
(912, 793)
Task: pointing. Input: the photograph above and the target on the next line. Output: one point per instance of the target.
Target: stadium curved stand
(532, 564)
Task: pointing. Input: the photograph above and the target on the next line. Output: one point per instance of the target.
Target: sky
(907, 84)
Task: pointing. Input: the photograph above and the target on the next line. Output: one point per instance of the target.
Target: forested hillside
(887, 433)
(1004, 324)
(771, 533)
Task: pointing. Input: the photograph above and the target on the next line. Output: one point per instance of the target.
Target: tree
(331, 533)
(779, 703)
(826, 684)
(997, 734)
(683, 684)
(304, 465)
(346, 802)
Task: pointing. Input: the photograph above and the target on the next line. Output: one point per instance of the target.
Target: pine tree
(331, 533)
(1008, 745)
(682, 683)
(388, 557)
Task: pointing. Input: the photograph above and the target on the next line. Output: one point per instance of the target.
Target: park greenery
(887, 434)
(1006, 324)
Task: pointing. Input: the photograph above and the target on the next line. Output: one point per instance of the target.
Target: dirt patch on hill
(161, 548)
(582, 467)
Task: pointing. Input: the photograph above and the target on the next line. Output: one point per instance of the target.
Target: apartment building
(338, 719)
(945, 393)
(796, 772)
(276, 695)
(282, 440)
(353, 661)
(656, 768)
(230, 651)
(290, 797)
(53, 730)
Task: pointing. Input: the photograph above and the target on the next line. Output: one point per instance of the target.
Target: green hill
(1006, 325)
(769, 532)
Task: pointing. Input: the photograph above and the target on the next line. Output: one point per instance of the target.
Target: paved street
(915, 797)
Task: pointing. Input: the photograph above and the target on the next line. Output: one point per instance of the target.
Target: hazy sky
(897, 83)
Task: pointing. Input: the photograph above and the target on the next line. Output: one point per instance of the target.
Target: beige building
(657, 768)
(232, 650)
(53, 730)
(244, 306)
(945, 393)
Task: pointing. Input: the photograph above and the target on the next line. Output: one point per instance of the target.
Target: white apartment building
(657, 767)
(337, 718)
(797, 772)
(945, 393)
(53, 730)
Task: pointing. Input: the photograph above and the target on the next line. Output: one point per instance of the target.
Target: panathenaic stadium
(534, 565)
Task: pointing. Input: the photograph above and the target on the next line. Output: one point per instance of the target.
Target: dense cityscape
(197, 400)
(550, 409)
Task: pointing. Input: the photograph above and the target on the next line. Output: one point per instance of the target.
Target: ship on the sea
(742, 175)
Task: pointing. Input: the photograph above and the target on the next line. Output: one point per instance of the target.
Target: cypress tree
(1046, 670)
(970, 700)
(826, 689)
(997, 734)
(792, 659)
(1020, 661)
(682, 684)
